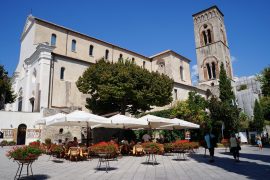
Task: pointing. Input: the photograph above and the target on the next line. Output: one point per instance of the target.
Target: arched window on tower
(53, 40)
(91, 48)
(214, 70)
(204, 37)
(209, 36)
(182, 73)
(107, 54)
(62, 73)
(209, 71)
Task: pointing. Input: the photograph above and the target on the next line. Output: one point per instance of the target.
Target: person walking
(211, 143)
(235, 147)
(259, 142)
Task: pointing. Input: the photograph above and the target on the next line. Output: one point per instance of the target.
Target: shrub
(48, 141)
(11, 143)
(168, 147)
(151, 146)
(4, 143)
(24, 153)
(35, 144)
(105, 147)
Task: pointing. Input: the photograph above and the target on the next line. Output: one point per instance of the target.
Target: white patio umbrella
(155, 122)
(79, 118)
(180, 124)
(44, 120)
(127, 122)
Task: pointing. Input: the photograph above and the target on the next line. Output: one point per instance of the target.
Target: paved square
(254, 165)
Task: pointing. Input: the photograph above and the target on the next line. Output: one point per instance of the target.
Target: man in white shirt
(146, 138)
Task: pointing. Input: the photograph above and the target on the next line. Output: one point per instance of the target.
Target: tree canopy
(123, 87)
(264, 78)
(224, 109)
(258, 121)
(6, 93)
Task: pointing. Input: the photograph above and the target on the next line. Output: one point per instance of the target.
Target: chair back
(74, 150)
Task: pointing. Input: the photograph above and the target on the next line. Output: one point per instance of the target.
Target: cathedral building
(53, 57)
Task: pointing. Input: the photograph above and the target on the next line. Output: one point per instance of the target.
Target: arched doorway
(21, 135)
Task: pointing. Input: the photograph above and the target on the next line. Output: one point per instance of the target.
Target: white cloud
(233, 59)
(194, 74)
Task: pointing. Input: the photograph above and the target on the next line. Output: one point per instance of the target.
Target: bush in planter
(151, 146)
(24, 153)
(35, 144)
(4, 143)
(57, 150)
(11, 143)
(168, 147)
(105, 147)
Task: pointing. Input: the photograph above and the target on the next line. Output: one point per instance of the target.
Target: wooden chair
(74, 152)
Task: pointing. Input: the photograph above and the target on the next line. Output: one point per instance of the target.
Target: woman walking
(259, 142)
(235, 147)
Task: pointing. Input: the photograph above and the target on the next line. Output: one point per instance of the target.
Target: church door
(21, 135)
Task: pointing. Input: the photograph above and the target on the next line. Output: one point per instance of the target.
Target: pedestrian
(259, 142)
(146, 137)
(210, 140)
(235, 147)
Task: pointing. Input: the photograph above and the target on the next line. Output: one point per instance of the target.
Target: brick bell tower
(211, 47)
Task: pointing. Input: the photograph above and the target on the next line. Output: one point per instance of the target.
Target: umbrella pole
(87, 135)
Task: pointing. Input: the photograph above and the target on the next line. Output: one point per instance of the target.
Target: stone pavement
(254, 165)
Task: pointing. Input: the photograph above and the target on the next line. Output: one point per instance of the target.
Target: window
(181, 73)
(73, 45)
(20, 104)
(175, 94)
(53, 40)
(204, 37)
(133, 60)
(120, 56)
(209, 36)
(209, 71)
(107, 54)
(143, 64)
(91, 48)
(62, 73)
(61, 131)
(214, 70)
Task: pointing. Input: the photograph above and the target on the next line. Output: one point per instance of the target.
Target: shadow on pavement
(261, 157)
(251, 170)
(36, 177)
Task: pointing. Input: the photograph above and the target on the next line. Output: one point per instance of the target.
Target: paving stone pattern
(254, 165)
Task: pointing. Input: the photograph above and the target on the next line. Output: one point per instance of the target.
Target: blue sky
(146, 26)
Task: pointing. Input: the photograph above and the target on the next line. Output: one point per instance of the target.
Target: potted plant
(57, 150)
(24, 154)
(104, 147)
(168, 147)
(151, 147)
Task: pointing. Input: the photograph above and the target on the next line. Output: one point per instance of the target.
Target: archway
(21, 135)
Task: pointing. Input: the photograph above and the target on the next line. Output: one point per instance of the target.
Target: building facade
(53, 57)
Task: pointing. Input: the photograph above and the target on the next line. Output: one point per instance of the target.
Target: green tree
(264, 78)
(258, 121)
(193, 109)
(6, 93)
(224, 109)
(243, 121)
(265, 105)
(123, 87)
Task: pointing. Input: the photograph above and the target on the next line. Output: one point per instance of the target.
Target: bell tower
(211, 45)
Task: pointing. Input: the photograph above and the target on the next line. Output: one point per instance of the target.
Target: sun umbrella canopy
(155, 121)
(44, 120)
(79, 118)
(180, 124)
(128, 122)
